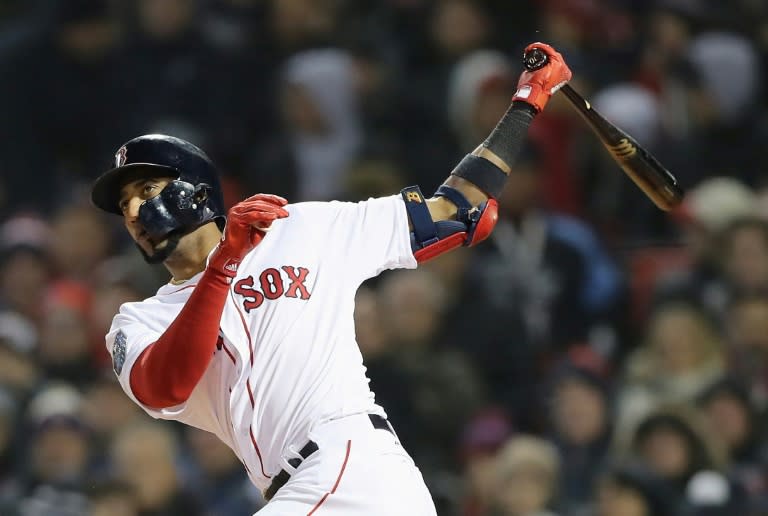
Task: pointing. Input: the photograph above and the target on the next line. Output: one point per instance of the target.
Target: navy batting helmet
(192, 199)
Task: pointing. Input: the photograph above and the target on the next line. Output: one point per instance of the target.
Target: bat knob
(534, 59)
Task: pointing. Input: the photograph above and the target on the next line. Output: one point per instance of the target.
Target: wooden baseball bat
(648, 174)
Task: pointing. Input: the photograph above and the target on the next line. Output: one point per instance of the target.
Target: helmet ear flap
(180, 206)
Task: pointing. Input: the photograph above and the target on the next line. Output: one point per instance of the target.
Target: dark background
(595, 356)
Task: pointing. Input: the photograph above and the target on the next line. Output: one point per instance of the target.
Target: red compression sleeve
(167, 371)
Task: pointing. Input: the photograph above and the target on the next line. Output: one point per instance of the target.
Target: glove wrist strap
(223, 262)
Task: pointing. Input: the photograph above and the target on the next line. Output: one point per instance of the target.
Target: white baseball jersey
(286, 359)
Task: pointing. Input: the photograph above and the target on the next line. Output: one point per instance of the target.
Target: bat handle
(535, 59)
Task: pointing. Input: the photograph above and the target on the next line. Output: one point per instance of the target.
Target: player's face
(132, 196)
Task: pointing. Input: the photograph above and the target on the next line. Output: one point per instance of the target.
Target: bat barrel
(647, 173)
(642, 168)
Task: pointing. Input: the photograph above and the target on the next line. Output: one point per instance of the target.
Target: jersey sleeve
(128, 337)
(374, 236)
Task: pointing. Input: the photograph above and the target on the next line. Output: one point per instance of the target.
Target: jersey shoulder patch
(118, 352)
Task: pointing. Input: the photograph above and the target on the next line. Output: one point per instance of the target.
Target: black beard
(163, 254)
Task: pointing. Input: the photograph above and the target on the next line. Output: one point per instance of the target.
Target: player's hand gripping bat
(647, 173)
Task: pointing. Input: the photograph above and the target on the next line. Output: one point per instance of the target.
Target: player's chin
(153, 255)
(160, 251)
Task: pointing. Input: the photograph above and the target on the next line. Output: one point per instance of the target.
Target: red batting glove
(247, 223)
(537, 86)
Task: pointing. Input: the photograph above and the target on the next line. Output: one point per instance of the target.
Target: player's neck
(191, 255)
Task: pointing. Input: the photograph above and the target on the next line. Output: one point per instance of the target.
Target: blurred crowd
(594, 357)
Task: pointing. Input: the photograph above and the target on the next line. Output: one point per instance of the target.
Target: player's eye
(123, 205)
(149, 188)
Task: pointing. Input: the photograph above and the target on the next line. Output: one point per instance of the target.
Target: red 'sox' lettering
(272, 285)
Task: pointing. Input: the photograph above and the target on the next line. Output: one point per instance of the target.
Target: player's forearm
(500, 150)
(479, 179)
(167, 371)
(469, 194)
(487, 168)
(506, 141)
(490, 164)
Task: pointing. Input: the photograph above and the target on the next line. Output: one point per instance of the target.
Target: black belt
(282, 478)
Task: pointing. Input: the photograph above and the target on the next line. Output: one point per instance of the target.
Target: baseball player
(253, 337)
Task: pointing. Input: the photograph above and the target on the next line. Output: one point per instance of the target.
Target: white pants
(357, 470)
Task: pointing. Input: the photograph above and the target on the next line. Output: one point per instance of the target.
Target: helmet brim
(105, 193)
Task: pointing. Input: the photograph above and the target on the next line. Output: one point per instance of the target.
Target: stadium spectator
(631, 489)
(527, 469)
(581, 415)
(737, 424)
(111, 498)
(748, 343)
(682, 355)
(57, 454)
(676, 443)
(216, 477)
(481, 439)
(64, 351)
(705, 213)
(417, 302)
(144, 456)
